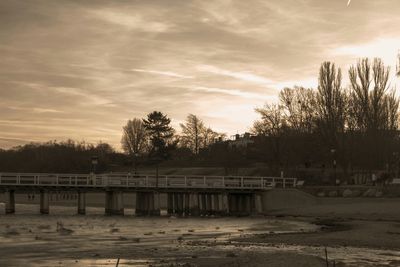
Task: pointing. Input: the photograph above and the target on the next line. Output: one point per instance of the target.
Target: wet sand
(29, 239)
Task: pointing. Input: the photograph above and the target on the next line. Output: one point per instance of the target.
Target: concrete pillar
(203, 204)
(108, 202)
(179, 204)
(239, 204)
(247, 204)
(170, 203)
(82, 203)
(258, 208)
(117, 203)
(208, 204)
(194, 204)
(219, 205)
(186, 204)
(224, 204)
(44, 202)
(212, 208)
(155, 203)
(10, 202)
(233, 204)
(114, 204)
(148, 203)
(138, 203)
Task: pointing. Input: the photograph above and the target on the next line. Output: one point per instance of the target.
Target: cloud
(165, 73)
(248, 77)
(80, 69)
(131, 21)
(385, 48)
(231, 92)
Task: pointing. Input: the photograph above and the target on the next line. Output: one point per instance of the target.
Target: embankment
(293, 202)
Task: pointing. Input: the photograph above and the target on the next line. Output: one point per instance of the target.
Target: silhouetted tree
(209, 137)
(299, 108)
(195, 135)
(272, 125)
(192, 131)
(369, 86)
(160, 133)
(134, 138)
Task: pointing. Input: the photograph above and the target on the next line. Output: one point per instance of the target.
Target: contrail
(348, 3)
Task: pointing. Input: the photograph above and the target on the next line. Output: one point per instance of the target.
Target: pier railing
(144, 181)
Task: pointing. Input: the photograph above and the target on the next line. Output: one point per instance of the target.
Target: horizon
(66, 64)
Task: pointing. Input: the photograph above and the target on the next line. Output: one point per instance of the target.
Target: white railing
(144, 181)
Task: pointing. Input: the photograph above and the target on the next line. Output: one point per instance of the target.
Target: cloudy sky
(80, 69)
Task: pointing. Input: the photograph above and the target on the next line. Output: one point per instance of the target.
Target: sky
(81, 69)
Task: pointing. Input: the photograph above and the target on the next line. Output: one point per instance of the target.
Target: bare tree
(134, 138)
(272, 120)
(375, 110)
(192, 131)
(195, 135)
(369, 86)
(298, 103)
(209, 136)
(331, 103)
(398, 65)
(272, 126)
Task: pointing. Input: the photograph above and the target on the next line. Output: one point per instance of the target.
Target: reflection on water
(65, 239)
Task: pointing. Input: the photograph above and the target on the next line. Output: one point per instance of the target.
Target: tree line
(353, 127)
(154, 138)
(331, 127)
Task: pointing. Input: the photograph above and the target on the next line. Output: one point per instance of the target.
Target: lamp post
(135, 156)
(156, 158)
(94, 161)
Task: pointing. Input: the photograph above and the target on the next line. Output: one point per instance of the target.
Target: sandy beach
(356, 232)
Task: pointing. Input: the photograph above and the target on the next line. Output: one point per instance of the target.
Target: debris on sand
(148, 233)
(43, 227)
(11, 232)
(230, 255)
(62, 230)
(114, 230)
(191, 230)
(123, 238)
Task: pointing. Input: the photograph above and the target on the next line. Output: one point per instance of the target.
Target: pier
(185, 195)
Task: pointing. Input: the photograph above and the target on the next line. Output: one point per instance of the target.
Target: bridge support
(81, 203)
(170, 203)
(179, 204)
(194, 204)
(224, 204)
(240, 204)
(114, 204)
(257, 207)
(147, 203)
(10, 202)
(186, 204)
(44, 202)
(183, 204)
(208, 204)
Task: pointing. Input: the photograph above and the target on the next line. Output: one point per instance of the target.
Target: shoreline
(366, 236)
